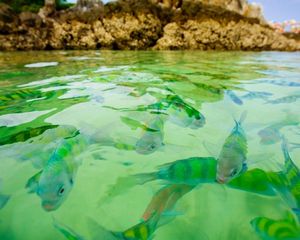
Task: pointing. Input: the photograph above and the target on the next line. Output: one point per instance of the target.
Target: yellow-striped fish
(269, 229)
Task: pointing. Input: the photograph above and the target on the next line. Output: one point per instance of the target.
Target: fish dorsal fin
(33, 182)
(242, 118)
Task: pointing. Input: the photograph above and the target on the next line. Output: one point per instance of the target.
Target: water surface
(126, 113)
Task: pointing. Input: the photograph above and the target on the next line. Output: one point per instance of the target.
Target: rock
(30, 19)
(144, 24)
(7, 15)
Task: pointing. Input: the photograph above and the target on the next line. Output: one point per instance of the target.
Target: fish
(165, 199)
(256, 94)
(3, 197)
(271, 134)
(191, 171)
(270, 229)
(291, 180)
(182, 114)
(294, 145)
(233, 155)
(287, 99)
(55, 181)
(152, 137)
(283, 83)
(234, 97)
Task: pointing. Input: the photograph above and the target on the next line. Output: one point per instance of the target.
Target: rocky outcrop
(144, 24)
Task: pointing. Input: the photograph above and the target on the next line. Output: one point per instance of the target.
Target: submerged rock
(144, 24)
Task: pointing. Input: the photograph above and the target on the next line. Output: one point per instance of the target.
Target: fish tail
(242, 118)
(145, 177)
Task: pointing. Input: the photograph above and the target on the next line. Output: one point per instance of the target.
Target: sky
(275, 10)
(280, 10)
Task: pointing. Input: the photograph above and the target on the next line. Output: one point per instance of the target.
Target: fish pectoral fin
(33, 182)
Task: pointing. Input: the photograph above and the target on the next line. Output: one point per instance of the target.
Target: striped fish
(288, 99)
(291, 176)
(55, 181)
(152, 137)
(190, 171)
(142, 231)
(232, 158)
(269, 229)
(183, 114)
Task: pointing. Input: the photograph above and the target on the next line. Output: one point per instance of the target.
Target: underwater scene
(144, 145)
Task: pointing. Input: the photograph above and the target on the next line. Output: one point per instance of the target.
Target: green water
(101, 102)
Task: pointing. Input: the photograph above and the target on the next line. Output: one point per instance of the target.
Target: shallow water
(100, 103)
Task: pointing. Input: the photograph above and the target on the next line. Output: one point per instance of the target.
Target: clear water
(105, 96)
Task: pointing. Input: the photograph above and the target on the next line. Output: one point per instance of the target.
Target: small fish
(254, 95)
(294, 145)
(55, 181)
(269, 229)
(288, 99)
(283, 83)
(271, 134)
(190, 171)
(291, 175)
(182, 114)
(234, 97)
(232, 158)
(3, 198)
(152, 137)
(165, 199)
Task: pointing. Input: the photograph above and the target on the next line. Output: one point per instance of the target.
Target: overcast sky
(280, 10)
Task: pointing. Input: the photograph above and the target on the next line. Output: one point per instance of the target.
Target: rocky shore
(144, 24)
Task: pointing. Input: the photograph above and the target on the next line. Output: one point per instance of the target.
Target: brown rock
(30, 19)
(6, 13)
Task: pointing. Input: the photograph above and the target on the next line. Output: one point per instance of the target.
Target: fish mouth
(221, 180)
(49, 206)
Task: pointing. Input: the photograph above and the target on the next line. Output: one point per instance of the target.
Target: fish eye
(233, 172)
(152, 146)
(61, 191)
